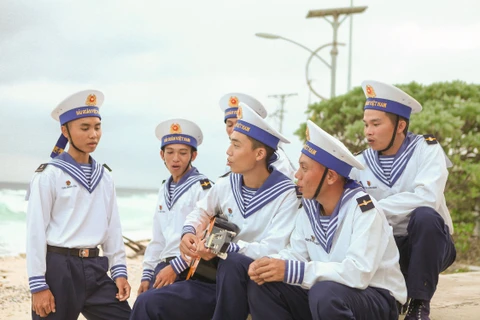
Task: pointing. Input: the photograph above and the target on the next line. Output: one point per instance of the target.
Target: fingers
(52, 304)
(126, 294)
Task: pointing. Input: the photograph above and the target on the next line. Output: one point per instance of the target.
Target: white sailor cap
(179, 131)
(328, 151)
(229, 104)
(387, 98)
(79, 105)
(82, 104)
(254, 126)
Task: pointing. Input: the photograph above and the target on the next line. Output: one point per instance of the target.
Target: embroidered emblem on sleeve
(365, 203)
(41, 167)
(430, 139)
(205, 183)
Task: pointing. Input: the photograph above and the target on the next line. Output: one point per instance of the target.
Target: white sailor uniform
(265, 226)
(411, 193)
(357, 250)
(265, 218)
(170, 213)
(67, 211)
(414, 203)
(342, 266)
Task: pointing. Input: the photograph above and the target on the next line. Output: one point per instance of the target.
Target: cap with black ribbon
(229, 104)
(254, 126)
(329, 151)
(79, 105)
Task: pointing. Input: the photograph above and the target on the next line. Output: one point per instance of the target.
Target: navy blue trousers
(427, 250)
(190, 299)
(326, 300)
(232, 281)
(82, 286)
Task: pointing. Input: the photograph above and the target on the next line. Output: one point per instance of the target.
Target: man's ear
(64, 131)
(332, 177)
(194, 156)
(162, 154)
(260, 153)
(402, 124)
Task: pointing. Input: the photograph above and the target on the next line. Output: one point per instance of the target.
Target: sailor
(229, 105)
(407, 174)
(342, 261)
(257, 198)
(162, 263)
(72, 211)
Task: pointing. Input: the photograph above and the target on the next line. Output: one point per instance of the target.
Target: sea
(136, 208)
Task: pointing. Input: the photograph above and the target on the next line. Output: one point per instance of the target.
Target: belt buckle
(83, 253)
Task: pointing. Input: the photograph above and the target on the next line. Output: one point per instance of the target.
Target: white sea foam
(135, 208)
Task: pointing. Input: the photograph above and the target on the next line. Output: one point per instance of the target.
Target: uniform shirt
(170, 213)
(418, 177)
(361, 251)
(64, 210)
(265, 224)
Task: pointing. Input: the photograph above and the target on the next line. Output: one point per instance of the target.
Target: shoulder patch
(358, 152)
(163, 182)
(430, 139)
(41, 167)
(205, 183)
(365, 203)
(226, 174)
(107, 167)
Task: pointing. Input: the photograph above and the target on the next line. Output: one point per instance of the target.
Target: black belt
(82, 252)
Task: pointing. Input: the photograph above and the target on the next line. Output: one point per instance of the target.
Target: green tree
(451, 112)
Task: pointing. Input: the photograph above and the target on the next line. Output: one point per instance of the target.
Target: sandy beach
(457, 297)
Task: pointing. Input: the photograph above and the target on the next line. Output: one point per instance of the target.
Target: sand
(457, 297)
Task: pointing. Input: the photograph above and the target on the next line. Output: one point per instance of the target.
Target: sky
(157, 60)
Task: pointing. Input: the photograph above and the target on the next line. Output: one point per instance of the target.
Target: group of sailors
(345, 236)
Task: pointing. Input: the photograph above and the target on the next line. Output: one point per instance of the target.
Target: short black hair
(393, 118)
(257, 144)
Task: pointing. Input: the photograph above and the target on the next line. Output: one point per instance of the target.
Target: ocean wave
(136, 208)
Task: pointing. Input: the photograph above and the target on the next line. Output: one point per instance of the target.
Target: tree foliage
(451, 112)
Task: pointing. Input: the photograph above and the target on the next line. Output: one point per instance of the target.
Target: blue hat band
(326, 159)
(388, 106)
(179, 139)
(256, 133)
(231, 113)
(77, 113)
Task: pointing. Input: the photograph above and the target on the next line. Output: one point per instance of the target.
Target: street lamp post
(335, 13)
(313, 53)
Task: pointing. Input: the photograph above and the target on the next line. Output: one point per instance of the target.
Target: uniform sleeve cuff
(294, 272)
(178, 265)
(233, 247)
(37, 284)
(147, 275)
(188, 229)
(119, 270)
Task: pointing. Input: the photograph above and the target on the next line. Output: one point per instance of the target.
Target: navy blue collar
(65, 162)
(276, 184)
(192, 176)
(313, 209)
(400, 160)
